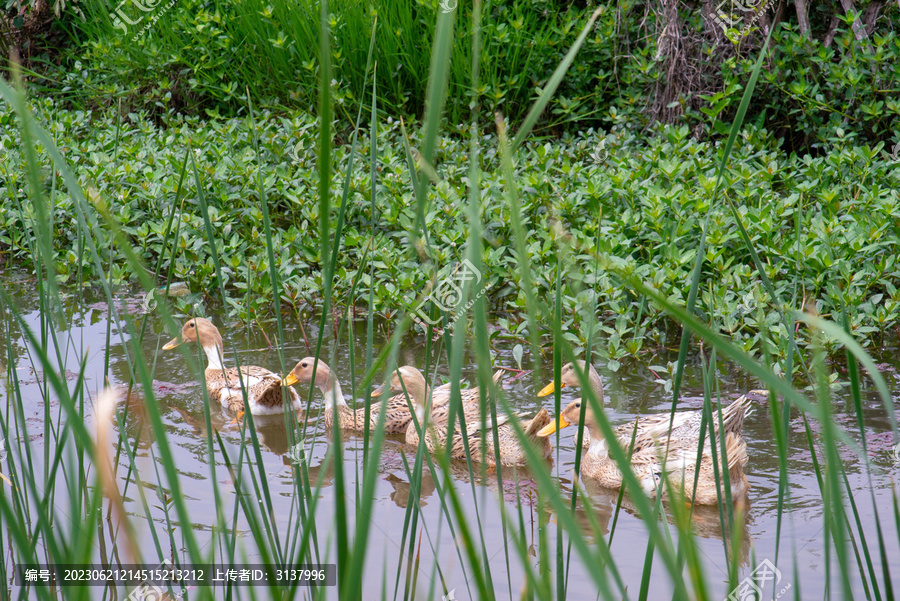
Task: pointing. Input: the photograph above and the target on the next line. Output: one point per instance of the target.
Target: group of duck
(660, 446)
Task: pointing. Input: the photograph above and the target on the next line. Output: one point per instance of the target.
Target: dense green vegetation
(824, 226)
(599, 242)
(642, 63)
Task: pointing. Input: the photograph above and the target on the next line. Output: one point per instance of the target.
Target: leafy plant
(602, 242)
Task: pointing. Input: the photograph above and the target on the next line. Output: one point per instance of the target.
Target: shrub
(823, 225)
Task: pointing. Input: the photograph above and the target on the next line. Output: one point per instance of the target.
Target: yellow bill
(549, 388)
(172, 344)
(289, 380)
(553, 427)
(378, 391)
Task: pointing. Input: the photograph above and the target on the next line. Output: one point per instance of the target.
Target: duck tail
(733, 415)
(535, 424)
(736, 447)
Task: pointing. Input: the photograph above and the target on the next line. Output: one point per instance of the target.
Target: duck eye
(192, 324)
(303, 365)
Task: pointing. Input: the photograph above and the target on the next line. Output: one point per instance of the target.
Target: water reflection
(705, 521)
(630, 392)
(402, 489)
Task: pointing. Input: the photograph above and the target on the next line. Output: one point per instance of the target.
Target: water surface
(631, 391)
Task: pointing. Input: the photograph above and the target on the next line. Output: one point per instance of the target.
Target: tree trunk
(872, 12)
(859, 29)
(832, 31)
(803, 16)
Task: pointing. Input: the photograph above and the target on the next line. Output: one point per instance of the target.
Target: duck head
(322, 377)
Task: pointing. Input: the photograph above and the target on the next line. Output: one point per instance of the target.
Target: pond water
(630, 391)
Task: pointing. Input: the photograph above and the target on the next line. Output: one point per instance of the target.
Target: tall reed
(53, 509)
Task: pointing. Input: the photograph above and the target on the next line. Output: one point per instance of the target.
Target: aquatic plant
(68, 500)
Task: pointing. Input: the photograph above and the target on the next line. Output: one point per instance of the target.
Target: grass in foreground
(75, 487)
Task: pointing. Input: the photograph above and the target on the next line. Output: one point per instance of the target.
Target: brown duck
(435, 427)
(263, 387)
(398, 414)
(659, 450)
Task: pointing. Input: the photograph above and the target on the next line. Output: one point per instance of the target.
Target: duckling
(264, 395)
(435, 427)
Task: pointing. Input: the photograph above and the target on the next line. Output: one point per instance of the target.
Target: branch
(803, 16)
(832, 31)
(872, 12)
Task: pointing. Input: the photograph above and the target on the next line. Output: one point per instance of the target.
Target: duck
(440, 405)
(263, 387)
(398, 414)
(470, 397)
(659, 451)
(569, 377)
(511, 452)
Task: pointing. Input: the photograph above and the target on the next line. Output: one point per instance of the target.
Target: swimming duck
(263, 387)
(398, 414)
(435, 427)
(440, 405)
(659, 451)
(568, 377)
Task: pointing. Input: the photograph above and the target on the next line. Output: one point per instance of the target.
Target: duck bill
(553, 427)
(289, 380)
(378, 392)
(171, 344)
(549, 388)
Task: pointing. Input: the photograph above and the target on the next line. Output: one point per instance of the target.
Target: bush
(33, 29)
(823, 225)
(200, 56)
(815, 94)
